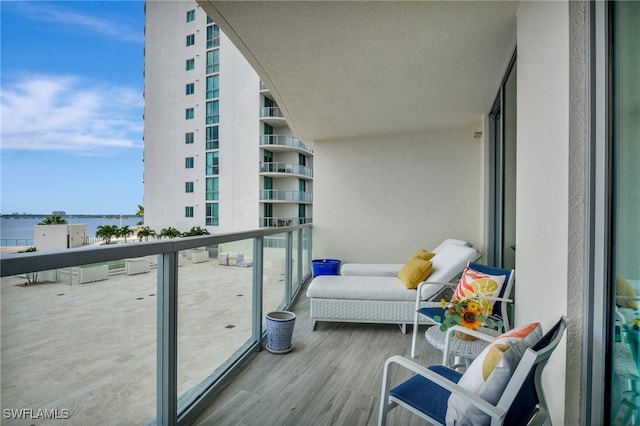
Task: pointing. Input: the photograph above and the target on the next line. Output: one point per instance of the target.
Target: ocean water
(15, 231)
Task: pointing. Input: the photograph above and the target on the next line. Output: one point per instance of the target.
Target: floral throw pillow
(478, 284)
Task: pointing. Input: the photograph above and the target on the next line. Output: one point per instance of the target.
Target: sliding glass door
(502, 174)
(624, 242)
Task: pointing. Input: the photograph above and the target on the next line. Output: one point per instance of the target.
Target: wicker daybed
(383, 299)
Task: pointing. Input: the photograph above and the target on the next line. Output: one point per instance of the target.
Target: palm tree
(145, 232)
(54, 219)
(125, 231)
(170, 232)
(140, 213)
(196, 230)
(106, 232)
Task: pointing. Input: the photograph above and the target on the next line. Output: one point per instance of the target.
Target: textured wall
(578, 157)
(543, 178)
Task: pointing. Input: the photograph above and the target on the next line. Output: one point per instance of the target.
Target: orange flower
(470, 315)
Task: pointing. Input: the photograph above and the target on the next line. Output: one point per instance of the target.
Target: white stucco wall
(393, 194)
(239, 140)
(50, 237)
(542, 183)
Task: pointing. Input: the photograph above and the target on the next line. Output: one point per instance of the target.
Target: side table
(463, 351)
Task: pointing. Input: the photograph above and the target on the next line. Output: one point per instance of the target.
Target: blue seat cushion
(431, 312)
(426, 396)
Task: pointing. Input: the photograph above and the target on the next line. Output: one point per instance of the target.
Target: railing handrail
(291, 168)
(271, 112)
(284, 140)
(20, 263)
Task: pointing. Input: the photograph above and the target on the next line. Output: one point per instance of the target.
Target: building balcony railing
(287, 196)
(271, 112)
(296, 169)
(284, 141)
(143, 320)
(279, 222)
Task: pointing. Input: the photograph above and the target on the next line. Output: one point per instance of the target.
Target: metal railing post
(258, 253)
(301, 260)
(288, 272)
(167, 364)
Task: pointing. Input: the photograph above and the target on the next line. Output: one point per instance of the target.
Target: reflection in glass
(626, 212)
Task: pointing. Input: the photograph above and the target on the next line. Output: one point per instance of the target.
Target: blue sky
(72, 106)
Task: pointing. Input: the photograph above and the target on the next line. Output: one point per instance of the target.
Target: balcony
(264, 90)
(276, 168)
(279, 222)
(283, 143)
(333, 376)
(272, 116)
(272, 195)
(137, 346)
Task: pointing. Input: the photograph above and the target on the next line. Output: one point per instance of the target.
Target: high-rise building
(218, 151)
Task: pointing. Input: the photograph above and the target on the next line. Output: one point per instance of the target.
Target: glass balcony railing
(273, 222)
(271, 112)
(144, 331)
(289, 141)
(279, 195)
(276, 167)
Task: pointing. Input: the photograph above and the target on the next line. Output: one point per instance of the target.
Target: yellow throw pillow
(421, 254)
(414, 272)
(623, 288)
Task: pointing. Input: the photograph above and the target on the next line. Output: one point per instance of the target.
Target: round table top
(462, 348)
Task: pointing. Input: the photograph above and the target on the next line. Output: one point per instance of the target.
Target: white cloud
(119, 28)
(69, 113)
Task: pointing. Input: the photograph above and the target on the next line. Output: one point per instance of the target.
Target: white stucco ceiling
(351, 69)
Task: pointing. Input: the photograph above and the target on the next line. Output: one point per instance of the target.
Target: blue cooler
(325, 267)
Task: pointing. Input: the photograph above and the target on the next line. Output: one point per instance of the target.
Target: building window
(188, 163)
(191, 15)
(189, 113)
(209, 20)
(191, 64)
(213, 112)
(213, 36)
(190, 88)
(188, 211)
(188, 137)
(213, 86)
(212, 160)
(212, 190)
(213, 61)
(191, 39)
(212, 141)
(188, 187)
(302, 159)
(212, 215)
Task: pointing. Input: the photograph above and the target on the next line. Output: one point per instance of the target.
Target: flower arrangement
(468, 313)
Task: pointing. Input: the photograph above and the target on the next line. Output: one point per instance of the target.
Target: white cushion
(391, 269)
(450, 241)
(359, 288)
(450, 261)
(372, 269)
(447, 265)
(489, 374)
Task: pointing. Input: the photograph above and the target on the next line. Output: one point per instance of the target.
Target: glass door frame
(496, 174)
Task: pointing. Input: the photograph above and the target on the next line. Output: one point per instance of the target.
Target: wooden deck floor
(331, 377)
